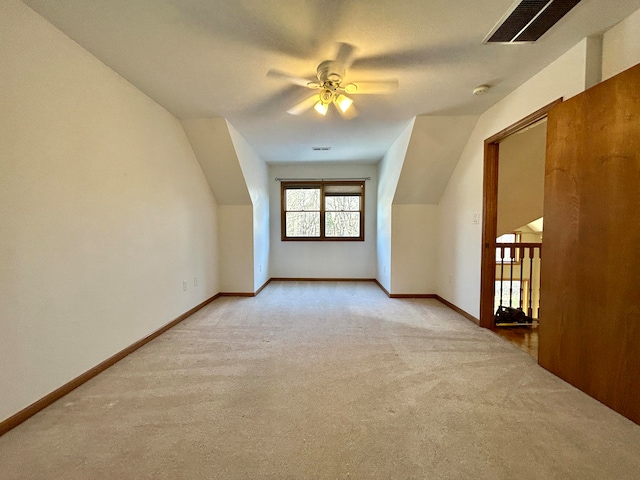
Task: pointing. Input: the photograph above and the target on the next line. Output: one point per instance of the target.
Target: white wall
(235, 237)
(255, 173)
(226, 160)
(413, 249)
(459, 245)
(333, 259)
(621, 46)
(104, 211)
(389, 170)
(459, 240)
(521, 178)
(435, 145)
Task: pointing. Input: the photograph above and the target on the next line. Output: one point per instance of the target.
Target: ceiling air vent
(320, 149)
(527, 20)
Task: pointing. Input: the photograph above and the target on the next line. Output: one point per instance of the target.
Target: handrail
(520, 244)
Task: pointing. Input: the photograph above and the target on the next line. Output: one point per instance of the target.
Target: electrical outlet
(184, 285)
(195, 281)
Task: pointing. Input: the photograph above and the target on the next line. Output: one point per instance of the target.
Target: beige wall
(255, 173)
(238, 180)
(235, 236)
(388, 170)
(621, 46)
(521, 178)
(413, 249)
(104, 212)
(333, 259)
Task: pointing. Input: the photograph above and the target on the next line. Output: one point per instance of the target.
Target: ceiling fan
(330, 76)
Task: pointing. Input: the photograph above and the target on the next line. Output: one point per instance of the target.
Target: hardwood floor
(526, 338)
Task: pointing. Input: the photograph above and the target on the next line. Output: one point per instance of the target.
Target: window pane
(343, 188)
(506, 238)
(302, 199)
(510, 294)
(349, 203)
(342, 224)
(303, 224)
(508, 255)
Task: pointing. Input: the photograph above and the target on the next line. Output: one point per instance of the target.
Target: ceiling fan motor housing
(330, 71)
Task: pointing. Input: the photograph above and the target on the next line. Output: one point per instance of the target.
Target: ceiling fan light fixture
(330, 87)
(321, 108)
(344, 103)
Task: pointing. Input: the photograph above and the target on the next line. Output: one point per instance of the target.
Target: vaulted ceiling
(209, 58)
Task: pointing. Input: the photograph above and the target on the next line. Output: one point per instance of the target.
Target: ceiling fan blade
(346, 54)
(304, 105)
(303, 82)
(372, 88)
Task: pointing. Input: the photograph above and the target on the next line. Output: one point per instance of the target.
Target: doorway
(498, 272)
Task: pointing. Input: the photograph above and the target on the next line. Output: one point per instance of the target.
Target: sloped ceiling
(434, 148)
(209, 58)
(213, 147)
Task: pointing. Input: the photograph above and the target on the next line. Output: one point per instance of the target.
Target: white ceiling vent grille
(527, 20)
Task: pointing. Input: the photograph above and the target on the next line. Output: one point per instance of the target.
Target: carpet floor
(324, 380)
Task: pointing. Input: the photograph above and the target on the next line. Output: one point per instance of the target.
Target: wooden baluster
(501, 272)
(532, 252)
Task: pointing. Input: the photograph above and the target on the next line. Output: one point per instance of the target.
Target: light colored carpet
(324, 380)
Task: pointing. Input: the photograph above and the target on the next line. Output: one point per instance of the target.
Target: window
(511, 293)
(323, 210)
(509, 257)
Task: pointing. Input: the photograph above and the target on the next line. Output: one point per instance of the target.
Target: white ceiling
(209, 58)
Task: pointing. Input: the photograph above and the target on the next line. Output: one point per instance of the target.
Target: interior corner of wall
(593, 60)
(240, 144)
(390, 166)
(254, 169)
(233, 133)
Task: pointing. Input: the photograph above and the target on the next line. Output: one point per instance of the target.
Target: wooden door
(590, 291)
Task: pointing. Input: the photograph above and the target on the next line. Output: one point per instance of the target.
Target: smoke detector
(481, 89)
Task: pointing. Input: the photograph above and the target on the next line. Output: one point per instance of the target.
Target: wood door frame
(490, 209)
